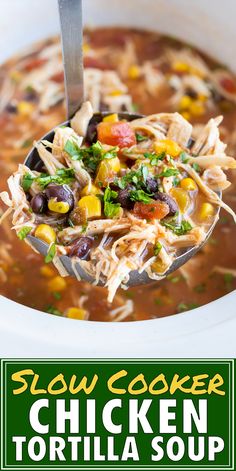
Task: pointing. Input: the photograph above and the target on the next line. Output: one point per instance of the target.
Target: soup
(138, 71)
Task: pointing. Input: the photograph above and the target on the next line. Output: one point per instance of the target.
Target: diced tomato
(34, 64)
(228, 84)
(116, 134)
(58, 77)
(154, 210)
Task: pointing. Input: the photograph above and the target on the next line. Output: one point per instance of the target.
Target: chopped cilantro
(201, 288)
(135, 107)
(53, 310)
(169, 172)
(84, 228)
(27, 181)
(57, 295)
(73, 149)
(50, 254)
(184, 157)
(141, 137)
(157, 248)
(174, 279)
(26, 143)
(111, 209)
(63, 176)
(91, 156)
(175, 181)
(135, 177)
(178, 229)
(22, 234)
(158, 301)
(185, 307)
(140, 195)
(196, 167)
(154, 158)
(228, 280)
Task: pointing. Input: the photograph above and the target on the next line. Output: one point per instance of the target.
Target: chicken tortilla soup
(145, 196)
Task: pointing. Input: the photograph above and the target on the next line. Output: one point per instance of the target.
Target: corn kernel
(180, 66)
(114, 164)
(158, 266)
(111, 118)
(168, 146)
(92, 205)
(185, 102)
(106, 170)
(116, 93)
(134, 72)
(57, 284)
(61, 207)
(123, 166)
(46, 233)
(181, 197)
(90, 190)
(16, 76)
(186, 115)
(195, 71)
(197, 109)
(202, 98)
(206, 211)
(188, 184)
(25, 108)
(86, 48)
(76, 313)
(47, 271)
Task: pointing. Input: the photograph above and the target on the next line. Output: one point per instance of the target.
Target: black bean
(173, 207)
(191, 93)
(30, 95)
(11, 108)
(61, 193)
(190, 143)
(39, 203)
(124, 199)
(152, 185)
(81, 247)
(91, 135)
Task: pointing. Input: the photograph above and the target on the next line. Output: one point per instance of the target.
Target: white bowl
(208, 331)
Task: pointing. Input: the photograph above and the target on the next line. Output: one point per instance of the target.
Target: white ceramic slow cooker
(208, 331)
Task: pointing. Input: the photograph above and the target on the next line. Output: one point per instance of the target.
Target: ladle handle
(70, 12)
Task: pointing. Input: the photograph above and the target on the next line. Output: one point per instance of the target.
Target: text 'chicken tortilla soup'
(118, 199)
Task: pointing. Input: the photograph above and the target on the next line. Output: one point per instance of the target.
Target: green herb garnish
(51, 253)
(154, 158)
(27, 181)
(53, 310)
(84, 228)
(91, 156)
(141, 137)
(228, 280)
(140, 195)
(63, 176)
(185, 307)
(178, 229)
(196, 167)
(157, 248)
(201, 288)
(111, 209)
(57, 295)
(169, 172)
(22, 234)
(184, 157)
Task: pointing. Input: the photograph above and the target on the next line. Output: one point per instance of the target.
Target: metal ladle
(72, 46)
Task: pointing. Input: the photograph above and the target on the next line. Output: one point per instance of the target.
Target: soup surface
(138, 71)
